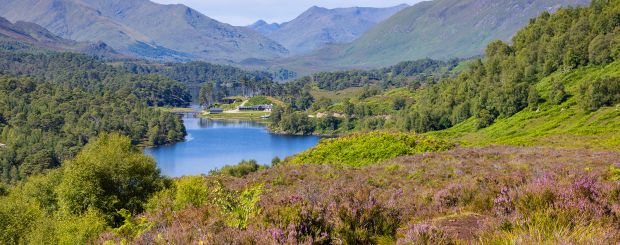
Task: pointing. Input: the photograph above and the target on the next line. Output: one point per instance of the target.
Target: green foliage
(399, 103)
(565, 125)
(238, 208)
(17, 217)
(600, 92)
(533, 98)
(285, 120)
(80, 229)
(109, 174)
(25, 219)
(190, 191)
(132, 228)
(614, 173)
(241, 169)
(304, 101)
(41, 190)
(275, 161)
(557, 95)
(258, 100)
(364, 149)
(48, 117)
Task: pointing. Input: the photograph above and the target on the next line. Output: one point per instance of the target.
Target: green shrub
(599, 93)
(109, 174)
(17, 217)
(132, 228)
(238, 208)
(275, 161)
(82, 229)
(190, 191)
(364, 149)
(242, 169)
(557, 95)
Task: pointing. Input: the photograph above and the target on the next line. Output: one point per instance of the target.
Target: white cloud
(244, 12)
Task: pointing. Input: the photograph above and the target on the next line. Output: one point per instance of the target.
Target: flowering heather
(484, 195)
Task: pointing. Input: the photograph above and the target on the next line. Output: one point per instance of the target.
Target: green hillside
(563, 125)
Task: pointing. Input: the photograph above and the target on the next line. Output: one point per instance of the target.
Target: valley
(434, 122)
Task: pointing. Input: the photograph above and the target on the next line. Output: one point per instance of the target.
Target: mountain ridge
(318, 26)
(145, 29)
(16, 35)
(439, 29)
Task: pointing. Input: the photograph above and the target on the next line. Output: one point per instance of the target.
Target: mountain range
(438, 29)
(145, 29)
(318, 27)
(443, 29)
(318, 39)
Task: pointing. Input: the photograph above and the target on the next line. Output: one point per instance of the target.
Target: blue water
(213, 144)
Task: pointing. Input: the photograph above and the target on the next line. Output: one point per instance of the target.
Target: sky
(245, 12)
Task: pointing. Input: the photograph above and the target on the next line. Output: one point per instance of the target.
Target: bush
(364, 149)
(242, 169)
(190, 191)
(238, 208)
(557, 95)
(109, 174)
(599, 93)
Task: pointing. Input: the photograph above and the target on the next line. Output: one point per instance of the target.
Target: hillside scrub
(581, 120)
(241, 169)
(363, 149)
(464, 195)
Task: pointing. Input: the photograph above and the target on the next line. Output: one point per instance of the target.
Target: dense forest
(210, 82)
(224, 80)
(52, 104)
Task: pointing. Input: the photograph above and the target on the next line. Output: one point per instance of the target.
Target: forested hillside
(52, 104)
(558, 62)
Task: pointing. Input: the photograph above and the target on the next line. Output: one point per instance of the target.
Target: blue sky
(245, 12)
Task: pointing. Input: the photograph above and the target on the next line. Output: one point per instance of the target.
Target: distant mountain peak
(260, 22)
(264, 27)
(315, 8)
(318, 27)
